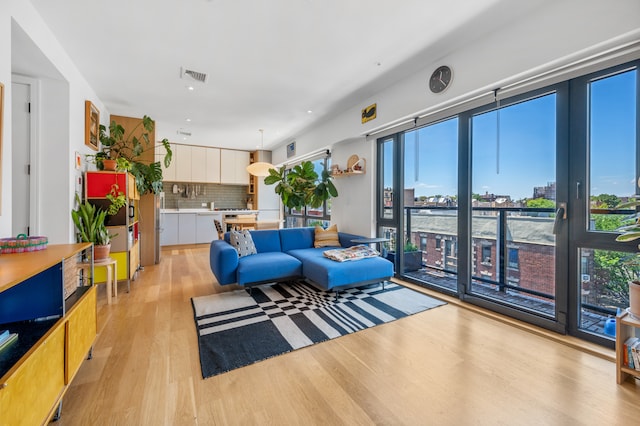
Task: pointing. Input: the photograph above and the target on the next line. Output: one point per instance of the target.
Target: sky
(514, 150)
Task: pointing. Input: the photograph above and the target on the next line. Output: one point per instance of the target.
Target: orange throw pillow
(326, 237)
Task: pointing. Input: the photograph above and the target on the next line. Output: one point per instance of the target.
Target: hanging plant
(117, 200)
(301, 186)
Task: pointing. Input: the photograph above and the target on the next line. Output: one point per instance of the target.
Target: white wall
(557, 34)
(61, 129)
(5, 154)
(354, 208)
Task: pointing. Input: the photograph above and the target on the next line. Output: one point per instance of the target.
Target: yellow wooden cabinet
(29, 393)
(81, 327)
(36, 370)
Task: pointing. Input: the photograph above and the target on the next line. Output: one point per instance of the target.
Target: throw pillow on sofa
(326, 237)
(242, 242)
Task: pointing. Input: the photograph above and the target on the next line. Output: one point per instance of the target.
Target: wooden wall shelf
(360, 165)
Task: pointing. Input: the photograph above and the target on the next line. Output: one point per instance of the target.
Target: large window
(513, 157)
(512, 205)
(430, 200)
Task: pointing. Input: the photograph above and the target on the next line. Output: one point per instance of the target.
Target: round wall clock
(440, 79)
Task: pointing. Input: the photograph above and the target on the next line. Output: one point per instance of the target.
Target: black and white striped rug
(237, 328)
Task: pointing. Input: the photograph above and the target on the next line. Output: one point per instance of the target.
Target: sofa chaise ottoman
(288, 254)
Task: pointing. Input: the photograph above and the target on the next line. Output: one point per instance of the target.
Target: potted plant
(301, 186)
(125, 148)
(631, 232)
(412, 257)
(117, 200)
(90, 223)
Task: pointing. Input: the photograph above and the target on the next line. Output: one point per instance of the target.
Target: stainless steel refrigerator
(158, 225)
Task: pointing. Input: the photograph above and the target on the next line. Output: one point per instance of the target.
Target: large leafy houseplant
(127, 148)
(301, 186)
(90, 224)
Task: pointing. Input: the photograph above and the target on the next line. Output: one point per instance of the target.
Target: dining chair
(218, 225)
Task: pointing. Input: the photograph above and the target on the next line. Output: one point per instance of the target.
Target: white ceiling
(268, 62)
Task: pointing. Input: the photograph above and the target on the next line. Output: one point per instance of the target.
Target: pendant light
(260, 168)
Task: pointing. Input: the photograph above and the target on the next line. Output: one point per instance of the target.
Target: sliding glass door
(512, 206)
(515, 220)
(430, 204)
(604, 174)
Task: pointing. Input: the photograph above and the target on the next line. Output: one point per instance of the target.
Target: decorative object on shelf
(89, 221)
(126, 149)
(355, 166)
(91, 125)
(23, 244)
(260, 168)
(440, 79)
(301, 186)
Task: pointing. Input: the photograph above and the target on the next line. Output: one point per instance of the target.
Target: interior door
(21, 153)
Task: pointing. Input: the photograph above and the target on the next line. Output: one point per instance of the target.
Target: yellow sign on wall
(369, 113)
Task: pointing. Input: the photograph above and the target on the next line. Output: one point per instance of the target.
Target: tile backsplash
(224, 196)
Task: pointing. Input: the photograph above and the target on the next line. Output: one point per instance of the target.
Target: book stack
(631, 353)
(6, 339)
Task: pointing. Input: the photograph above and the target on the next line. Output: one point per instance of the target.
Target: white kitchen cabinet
(168, 229)
(192, 163)
(198, 164)
(233, 167)
(183, 163)
(186, 228)
(168, 173)
(212, 165)
(205, 229)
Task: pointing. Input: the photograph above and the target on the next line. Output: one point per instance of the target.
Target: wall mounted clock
(440, 79)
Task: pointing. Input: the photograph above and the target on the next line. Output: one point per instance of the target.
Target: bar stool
(111, 265)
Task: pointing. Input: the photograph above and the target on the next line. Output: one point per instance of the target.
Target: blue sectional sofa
(288, 254)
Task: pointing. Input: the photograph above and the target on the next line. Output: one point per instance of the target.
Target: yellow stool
(111, 265)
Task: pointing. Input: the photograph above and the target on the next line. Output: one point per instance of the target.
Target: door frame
(578, 201)
(559, 323)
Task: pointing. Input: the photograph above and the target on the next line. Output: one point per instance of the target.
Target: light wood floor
(446, 366)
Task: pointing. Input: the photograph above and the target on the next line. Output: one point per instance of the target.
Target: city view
(513, 167)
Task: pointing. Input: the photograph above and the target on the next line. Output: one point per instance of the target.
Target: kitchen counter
(212, 212)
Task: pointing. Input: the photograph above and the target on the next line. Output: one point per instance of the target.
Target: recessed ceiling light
(191, 88)
(188, 120)
(309, 111)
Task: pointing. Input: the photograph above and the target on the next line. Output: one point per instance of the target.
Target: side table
(372, 240)
(111, 266)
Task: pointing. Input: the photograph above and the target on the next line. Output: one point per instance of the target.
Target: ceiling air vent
(187, 74)
(183, 132)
